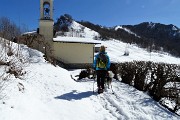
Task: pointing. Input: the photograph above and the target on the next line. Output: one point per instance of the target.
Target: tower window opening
(46, 11)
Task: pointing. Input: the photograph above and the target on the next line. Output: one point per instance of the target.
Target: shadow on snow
(74, 95)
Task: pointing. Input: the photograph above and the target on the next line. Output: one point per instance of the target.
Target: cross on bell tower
(46, 21)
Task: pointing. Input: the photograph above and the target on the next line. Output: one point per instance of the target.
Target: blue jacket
(95, 62)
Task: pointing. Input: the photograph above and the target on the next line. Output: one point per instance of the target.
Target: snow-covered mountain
(66, 26)
(146, 34)
(166, 36)
(47, 92)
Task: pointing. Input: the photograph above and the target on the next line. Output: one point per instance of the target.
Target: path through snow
(126, 103)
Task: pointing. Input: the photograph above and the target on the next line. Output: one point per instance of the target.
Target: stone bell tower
(46, 21)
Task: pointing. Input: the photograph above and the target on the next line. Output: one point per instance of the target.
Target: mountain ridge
(161, 37)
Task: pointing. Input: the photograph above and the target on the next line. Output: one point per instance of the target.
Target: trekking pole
(94, 81)
(112, 90)
(93, 86)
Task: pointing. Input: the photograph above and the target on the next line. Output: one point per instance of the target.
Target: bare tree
(8, 29)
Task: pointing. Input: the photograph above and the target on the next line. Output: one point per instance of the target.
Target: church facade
(74, 52)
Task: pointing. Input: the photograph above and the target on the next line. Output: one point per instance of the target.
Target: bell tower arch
(46, 21)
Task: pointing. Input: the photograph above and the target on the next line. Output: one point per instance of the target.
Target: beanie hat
(102, 48)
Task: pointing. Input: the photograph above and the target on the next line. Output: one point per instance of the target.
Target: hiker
(101, 65)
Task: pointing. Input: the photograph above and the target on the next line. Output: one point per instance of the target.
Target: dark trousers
(101, 74)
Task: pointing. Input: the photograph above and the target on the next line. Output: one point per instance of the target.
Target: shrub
(127, 71)
(141, 69)
(160, 80)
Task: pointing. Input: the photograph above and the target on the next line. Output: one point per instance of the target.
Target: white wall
(74, 52)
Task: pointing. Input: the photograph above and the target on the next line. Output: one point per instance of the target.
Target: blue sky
(103, 12)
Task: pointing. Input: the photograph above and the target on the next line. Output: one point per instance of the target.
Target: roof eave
(76, 42)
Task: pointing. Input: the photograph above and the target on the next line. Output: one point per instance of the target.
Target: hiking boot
(100, 90)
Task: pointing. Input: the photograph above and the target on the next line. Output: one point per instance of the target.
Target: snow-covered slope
(127, 30)
(78, 30)
(116, 50)
(87, 33)
(47, 92)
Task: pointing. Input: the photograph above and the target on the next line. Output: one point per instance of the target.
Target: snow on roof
(28, 33)
(76, 40)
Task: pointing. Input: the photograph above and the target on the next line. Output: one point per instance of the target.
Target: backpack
(102, 61)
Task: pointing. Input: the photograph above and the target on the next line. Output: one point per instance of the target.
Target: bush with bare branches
(12, 62)
(3, 78)
(38, 42)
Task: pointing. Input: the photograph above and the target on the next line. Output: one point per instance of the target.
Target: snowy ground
(51, 94)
